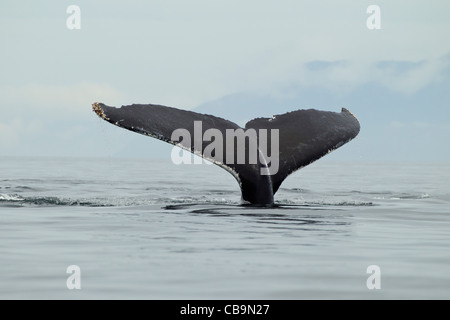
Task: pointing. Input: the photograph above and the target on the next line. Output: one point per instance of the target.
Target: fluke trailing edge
(302, 137)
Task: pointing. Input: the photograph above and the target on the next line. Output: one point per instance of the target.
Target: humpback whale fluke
(304, 136)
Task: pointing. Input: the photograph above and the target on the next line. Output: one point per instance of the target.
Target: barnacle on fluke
(98, 110)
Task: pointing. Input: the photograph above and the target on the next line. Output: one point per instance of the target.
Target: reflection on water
(290, 217)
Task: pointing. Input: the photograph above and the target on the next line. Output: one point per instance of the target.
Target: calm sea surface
(150, 229)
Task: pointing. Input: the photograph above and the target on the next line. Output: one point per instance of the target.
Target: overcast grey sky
(187, 53)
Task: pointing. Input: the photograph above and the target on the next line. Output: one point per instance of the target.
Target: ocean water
(148, 229)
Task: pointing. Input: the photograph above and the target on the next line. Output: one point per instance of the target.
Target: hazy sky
(186, 53)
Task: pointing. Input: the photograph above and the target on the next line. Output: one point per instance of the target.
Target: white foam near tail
(7, 197)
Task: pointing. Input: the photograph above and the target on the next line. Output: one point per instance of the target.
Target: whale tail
(267, 150)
